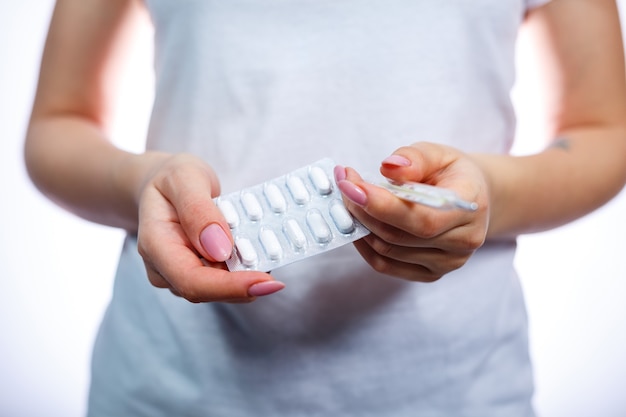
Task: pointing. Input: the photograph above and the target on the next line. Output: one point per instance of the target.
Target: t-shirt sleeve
(531, 4)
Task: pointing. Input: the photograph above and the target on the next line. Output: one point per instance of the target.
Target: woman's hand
(184, 239)
(413, 241)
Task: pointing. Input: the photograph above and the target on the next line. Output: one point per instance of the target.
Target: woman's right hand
(184, 239)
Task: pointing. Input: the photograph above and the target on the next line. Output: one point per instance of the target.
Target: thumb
(216, 242)
(421, 162)
(190, 189)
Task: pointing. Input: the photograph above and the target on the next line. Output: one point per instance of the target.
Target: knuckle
(388, 237)
(427, 227)
(383, 235)
(190, 295)
(183, 287)
(428, 275)
(146, 239)
(381, 247)
(155, 279)
(381, 265)
(456, 262)
(427, 232)
(423, 275)
(472, 241)
(143, 251)
(430, 278)
(475, 241)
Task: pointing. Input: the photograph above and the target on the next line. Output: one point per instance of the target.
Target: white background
(56, 270)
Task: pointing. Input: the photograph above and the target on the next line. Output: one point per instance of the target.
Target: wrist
(498, 180)
(133, 172)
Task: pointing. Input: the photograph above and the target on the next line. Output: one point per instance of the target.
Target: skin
(166, 199)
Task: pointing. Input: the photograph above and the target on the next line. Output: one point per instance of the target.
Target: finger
(246, 300)
(421, 162)
(434, 259)
(170, 257)
(465, 238)
(387, 266)
(154, 277)
(196, 282)
(377, 209)
(437, 165)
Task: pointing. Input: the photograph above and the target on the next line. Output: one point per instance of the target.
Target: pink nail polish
(216, 242)
(396, 160)
(340, 173)
(354, 193)
(265, 288)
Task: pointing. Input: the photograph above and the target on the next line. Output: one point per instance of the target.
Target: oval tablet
(270, 243)
(295, 234)
(298, 190)
(252, 206)
(230, 212)
(318, 226)
(341, 217)
(320, 180)
(275, 198)
(247, 253)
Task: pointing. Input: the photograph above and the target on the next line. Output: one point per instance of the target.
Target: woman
(426, 317)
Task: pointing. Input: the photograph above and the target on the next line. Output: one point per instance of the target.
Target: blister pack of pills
(287, 219)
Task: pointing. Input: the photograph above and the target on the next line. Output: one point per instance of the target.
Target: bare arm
(68, 152)
(581, 48)
(581, 51)
(166, 199)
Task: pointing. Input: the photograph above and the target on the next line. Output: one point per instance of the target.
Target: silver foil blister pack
(287, 219)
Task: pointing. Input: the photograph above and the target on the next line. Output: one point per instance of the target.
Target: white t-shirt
(261, 88)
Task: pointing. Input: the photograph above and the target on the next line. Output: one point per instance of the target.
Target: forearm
(582, 170)
(72, 162)
(67, 151)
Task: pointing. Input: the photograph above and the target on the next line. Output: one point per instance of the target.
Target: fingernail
(265, 288)
(354, 193)
(340, 173)
(216, 242)
(397, 160)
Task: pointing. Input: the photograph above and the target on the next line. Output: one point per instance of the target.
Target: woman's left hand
(413, 241)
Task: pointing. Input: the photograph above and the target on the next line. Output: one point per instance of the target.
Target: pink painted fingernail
(354, 193)
(265, 288)
(340, 173)
(216, 242)
(397, 160)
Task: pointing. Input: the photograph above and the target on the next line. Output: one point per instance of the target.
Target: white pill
(341, 217)
(298, 190)
(320, 180)
(230, 212)
(318, 226)
(247, 253)
(295, 234)
(270, 243)
(275, 198)
(252, 206)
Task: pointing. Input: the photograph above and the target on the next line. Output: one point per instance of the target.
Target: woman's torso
(258, 88)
